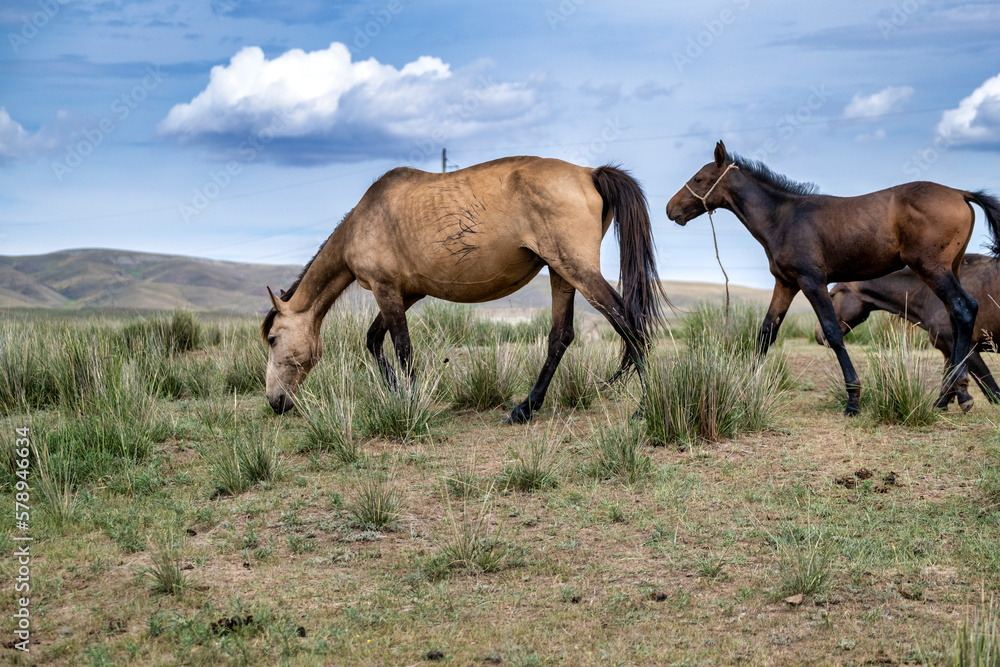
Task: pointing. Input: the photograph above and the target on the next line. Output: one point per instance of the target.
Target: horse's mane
(265, 326)
(762, 172)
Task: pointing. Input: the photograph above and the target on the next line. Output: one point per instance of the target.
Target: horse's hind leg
(560, 337)
(962, 311)
(984, 378)
(819, 298)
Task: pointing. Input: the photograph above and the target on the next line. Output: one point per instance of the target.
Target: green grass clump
(977, 643)
(805, 562)
(181, 333)
(619, 452)
(166, 572)
(710, 394)
(488, 377)
(245, 460)
(468, 541)
(376, 504)
(577, 383)
(402, 412)
(898, 387)
(244, 369)
(533, 466)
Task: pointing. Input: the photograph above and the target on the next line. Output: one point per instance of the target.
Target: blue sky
(245, 129)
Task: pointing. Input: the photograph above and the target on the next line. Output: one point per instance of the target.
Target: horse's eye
(696, 179)
(270, 340)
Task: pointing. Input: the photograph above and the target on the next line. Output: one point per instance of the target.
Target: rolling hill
(100, 278)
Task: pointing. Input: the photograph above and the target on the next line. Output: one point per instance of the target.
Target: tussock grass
(468, 541)
(244, 460)
(166, 573)
(897, 382)
(619, 452)
(55, 479)
(977, 642)
(487, 377)
(579, 377)
(404, 412)
(709, 394)
(376, 504)
(329, 404)
(805, 562)
(534, 466)
(243, 370)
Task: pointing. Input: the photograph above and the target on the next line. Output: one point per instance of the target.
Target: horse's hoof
(518, 416)
(967, 405)
(638, 416)
(852, 411)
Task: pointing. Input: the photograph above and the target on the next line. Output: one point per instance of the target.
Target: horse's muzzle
(281, 404)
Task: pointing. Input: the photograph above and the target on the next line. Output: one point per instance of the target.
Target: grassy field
(177, 520)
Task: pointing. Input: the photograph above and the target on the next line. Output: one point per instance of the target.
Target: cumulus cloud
(322, 106)
(870, 107)
(976, 121)
(18, 144)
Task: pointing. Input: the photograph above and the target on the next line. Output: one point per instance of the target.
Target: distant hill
(96, 278)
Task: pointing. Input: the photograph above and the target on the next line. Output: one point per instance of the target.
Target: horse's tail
(991, 207)
(639, 282)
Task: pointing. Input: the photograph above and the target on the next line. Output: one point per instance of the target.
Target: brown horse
(903, 294)
(812, 240)
(469, 236)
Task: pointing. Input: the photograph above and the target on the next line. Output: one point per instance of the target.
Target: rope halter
(704, 202)
(704, 198)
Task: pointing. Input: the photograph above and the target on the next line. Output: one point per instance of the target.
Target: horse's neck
(325, 280)
(754, 205)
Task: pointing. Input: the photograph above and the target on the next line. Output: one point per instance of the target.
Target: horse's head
(706, 191)
(294, 347)
(850, 306)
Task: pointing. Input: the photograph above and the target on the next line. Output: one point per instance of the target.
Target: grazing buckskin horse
(812, 240)
(902, 293)
(469, 236)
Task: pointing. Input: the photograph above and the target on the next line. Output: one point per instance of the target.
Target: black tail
(639, 282)
(991, 207)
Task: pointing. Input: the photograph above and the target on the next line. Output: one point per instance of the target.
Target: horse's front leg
(819, 298)
(781, 299)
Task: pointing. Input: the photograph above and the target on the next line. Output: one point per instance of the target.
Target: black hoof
(519, 415)
(852, 411)
(966, 405)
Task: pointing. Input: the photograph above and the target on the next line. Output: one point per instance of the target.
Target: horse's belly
(476, 279)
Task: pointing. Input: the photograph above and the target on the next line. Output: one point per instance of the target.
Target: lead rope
(703, 198)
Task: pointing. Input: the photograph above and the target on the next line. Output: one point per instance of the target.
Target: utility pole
(444, 160)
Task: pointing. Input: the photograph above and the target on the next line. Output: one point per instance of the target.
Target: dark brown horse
(474, 235)
(902, 293)
(812, 240)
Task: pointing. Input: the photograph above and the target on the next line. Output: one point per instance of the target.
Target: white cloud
(17, 143)
(976, 121)
(887, 100)
(324, 95)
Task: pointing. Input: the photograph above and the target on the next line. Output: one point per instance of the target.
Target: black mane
(287, 294)
(763, 173)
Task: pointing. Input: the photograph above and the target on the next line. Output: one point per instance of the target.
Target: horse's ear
(281, 293)
(277, 303)
(720, 154)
